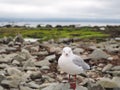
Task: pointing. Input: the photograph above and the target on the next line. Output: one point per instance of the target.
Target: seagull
(72, 64)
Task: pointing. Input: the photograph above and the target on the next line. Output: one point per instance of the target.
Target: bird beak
(66, 54)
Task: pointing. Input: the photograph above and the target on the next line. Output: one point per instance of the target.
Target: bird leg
(73, 84)
(69, 78)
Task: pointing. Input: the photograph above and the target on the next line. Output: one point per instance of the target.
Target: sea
(79, 24)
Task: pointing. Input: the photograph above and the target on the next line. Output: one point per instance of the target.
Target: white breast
(66, 65)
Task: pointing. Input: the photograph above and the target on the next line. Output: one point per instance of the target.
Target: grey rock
(15, 62)
(36, 75)
(25, 88)
(2, 66)
(50, 57)
(107, 67)
(45, 68)
(19, 38)
(23, 55)
(11, 49)
(46, 61)
(3, 51)
(10, 83)
(13, 71)
(111, 49)
(28, 63)
(42, 63)
(33, 85)
(95, 86)
(7, 58)
(1, 88)
(98, 54)
(108, 83)
(11, 44)
(41, 53)
(5, 40)
(114, 73)
(34, 49)
(64, 40)
(62, 86)
(78, 51)
(116, 68)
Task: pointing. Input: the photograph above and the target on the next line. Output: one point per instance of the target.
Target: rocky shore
(26, 65)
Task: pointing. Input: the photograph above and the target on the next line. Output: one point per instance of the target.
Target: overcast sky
(60, 8)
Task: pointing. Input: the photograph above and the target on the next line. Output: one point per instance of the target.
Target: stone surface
(19, 38)
(107, 67)
(98, 54)
(62, 86)
(108, 83)
(116, 68)
(78, 51)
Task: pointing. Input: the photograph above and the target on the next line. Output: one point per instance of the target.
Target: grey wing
(79, 62)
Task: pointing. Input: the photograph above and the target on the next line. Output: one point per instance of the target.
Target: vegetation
(49, 32)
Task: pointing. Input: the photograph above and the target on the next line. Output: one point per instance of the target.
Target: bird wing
(80, 62)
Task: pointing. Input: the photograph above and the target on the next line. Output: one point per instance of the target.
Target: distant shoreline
(34, 24)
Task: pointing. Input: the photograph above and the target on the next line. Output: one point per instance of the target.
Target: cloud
(60, 8)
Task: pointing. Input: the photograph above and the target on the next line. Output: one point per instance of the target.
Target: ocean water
(34, 24)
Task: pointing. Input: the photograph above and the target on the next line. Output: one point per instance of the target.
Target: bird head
(67, 51)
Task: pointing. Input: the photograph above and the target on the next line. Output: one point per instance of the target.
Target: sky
(105, 9)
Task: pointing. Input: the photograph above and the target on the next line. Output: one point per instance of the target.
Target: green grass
(54, 33)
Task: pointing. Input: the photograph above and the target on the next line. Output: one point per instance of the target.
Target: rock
(108, 83)
(98, 54)
(50, 57)
(36, 75)
(94, 86)
(42, 63)
(13, 71)
(45, 68)
(11, 44)
(2, 76)
(2, 66)
(62, 86)
(28, 63)
(25, 88)
(34, 49)
(15, 62)
(41, 53)
(26, 53)
(65, 40)
(19, 38)
(107, 67)
(5, 40)
(7, 58)
(111, 49)
(48, 78)
(1, 88)
(11, 49)
(23, 55)
(46, 61)
(33, 85)
(116, 68)
(10, 83)
(3, 51)
(114, 73)
(78, 51)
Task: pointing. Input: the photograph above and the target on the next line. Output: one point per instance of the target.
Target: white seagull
(71, 63)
